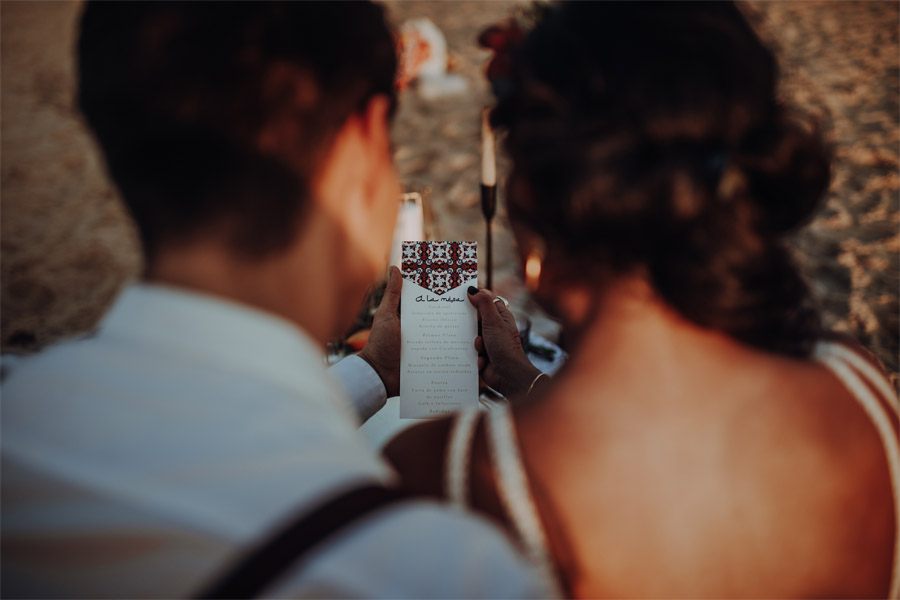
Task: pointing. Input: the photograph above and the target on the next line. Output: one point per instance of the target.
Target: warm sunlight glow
(533, 271)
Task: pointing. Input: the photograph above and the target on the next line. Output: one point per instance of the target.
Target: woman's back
(778, 489)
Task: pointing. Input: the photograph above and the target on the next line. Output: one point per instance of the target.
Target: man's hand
(382, 351)
(502, 361)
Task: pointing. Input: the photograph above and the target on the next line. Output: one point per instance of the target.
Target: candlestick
(488, 192)
(488, 206)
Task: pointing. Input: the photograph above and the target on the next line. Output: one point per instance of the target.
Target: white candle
(488, 159)
(410, 225)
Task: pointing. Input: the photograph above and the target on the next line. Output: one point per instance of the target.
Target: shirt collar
(236, 336)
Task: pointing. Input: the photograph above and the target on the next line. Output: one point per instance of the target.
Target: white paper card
(438, 325)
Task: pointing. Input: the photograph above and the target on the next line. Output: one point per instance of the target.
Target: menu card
(438, 325)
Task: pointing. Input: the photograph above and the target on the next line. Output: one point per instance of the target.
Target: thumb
(390, 302)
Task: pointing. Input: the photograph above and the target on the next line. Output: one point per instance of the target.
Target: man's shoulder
(97, 365)
(59, 363)
(139, 413)
(88, 371)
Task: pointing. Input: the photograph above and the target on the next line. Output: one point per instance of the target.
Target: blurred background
(67, 245)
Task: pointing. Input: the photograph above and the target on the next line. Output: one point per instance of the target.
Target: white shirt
(143, 459)
(362, 385)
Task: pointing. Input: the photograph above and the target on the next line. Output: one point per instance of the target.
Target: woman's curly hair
(650, 136)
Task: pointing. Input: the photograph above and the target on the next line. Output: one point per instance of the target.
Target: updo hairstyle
(649, 136)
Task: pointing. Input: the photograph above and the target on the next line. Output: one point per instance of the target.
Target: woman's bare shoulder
(803, 467)
(825, 466)
(418, 455)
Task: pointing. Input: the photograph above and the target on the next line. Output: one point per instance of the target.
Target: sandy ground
(67, 246)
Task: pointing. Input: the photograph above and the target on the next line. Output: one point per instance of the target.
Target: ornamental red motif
(439, 266)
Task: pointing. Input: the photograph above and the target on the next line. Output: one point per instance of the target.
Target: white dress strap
(512, 487)
(865, 368)
(459, 449)
(879, 416)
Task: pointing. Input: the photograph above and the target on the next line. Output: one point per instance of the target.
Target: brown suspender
(263, 565)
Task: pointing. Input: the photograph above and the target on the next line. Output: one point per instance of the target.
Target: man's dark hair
(184, 99)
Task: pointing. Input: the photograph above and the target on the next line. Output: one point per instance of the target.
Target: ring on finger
(503, 300)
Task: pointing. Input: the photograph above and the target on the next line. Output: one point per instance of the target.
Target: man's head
(231, 125)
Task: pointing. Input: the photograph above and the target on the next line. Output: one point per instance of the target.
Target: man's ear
(376, 125)
(355, 154)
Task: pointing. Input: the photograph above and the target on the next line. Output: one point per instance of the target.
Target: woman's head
(647, 138)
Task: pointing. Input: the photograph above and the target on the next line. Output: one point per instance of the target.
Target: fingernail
(472, 290)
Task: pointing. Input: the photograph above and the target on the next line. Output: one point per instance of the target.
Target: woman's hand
(502, 361)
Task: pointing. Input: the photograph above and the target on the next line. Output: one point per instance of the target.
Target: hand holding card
(438, 362)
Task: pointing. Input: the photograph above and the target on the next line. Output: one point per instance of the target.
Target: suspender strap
(263, 565)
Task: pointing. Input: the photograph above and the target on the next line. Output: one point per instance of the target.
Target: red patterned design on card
(439, 266)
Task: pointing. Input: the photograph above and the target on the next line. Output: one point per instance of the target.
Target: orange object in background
(358, 340)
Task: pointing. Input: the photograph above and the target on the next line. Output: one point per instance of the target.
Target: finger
(479, 345)
(390, 302)
(483, 301)
(482, 363)
(506, 315)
